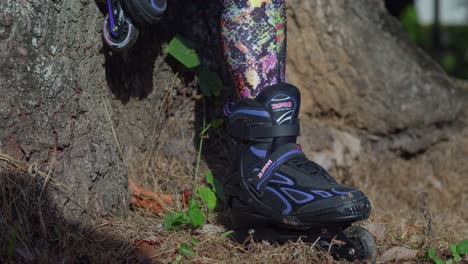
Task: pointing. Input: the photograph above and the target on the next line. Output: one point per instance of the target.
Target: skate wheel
(122, 41)
(365, 243)
(145, 12)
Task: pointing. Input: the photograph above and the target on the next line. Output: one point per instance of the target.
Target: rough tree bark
(51, 107)
(59, 85)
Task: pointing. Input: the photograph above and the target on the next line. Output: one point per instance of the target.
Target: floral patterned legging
(254, 43)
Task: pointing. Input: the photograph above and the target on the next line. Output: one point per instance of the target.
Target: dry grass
(420, 202)
(31, 230)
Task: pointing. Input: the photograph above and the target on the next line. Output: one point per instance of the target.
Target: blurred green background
(439, 27)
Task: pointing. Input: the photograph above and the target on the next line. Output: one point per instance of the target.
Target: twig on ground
(32, 169)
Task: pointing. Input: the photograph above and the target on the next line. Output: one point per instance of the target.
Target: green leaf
(174, 221)
(194, 241)
(438, 261)
(431, 253)
(168, 221)
(196, 216)
(453, 248)
(210, 178)
(177, 259)
(462, 247)
(217, 122)
(185, 250)
(216, 186)
(183, 50)
(450, 261)
(210, 83)
(208, 197)
(227, 233)
(204, 87)
(455, 254)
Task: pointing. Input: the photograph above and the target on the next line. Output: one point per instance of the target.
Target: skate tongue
(282, 101)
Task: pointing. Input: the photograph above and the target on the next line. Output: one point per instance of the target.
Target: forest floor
(408, 212)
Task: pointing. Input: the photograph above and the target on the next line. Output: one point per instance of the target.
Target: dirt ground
(417, 203)
(402, 147)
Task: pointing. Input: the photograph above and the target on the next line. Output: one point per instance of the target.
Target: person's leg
(271, 179)
(254, 43)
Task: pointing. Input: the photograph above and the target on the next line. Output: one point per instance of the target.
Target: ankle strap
(251, 132)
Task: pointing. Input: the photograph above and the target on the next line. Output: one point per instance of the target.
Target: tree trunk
(354, 61)
(88, 114)
(53, 104)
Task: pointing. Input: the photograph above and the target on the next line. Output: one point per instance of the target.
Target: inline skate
(124, 17)
(276, 194)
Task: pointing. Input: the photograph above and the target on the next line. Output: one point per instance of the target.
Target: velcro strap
(272, 163)
(246, 132)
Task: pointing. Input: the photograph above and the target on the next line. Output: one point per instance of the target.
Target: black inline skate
(124, 16)
(276, 194)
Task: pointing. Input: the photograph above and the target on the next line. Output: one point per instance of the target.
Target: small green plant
(217, 186)
(457, 252)
(227, 233)
(192, 216)
(210, 86)
(184, 51)
(185, 251)
(207, 194)
(210, 83)
(208, 197)
(197, 218)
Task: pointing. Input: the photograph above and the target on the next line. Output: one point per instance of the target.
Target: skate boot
(276, 194)
(119, 31)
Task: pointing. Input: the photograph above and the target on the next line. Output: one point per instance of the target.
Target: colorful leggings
(254, 43)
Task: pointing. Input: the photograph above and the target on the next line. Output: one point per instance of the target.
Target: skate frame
(331, 239)
(115, 10)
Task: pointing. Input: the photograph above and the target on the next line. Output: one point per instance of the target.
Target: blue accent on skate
(258, 152)
(286, 180)
(251, 112)
(338, 192)
(285, 201)
(153, 4)
(289, 192)
(324, 194)
(273, 166)
(227, 108)
(111, 18)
